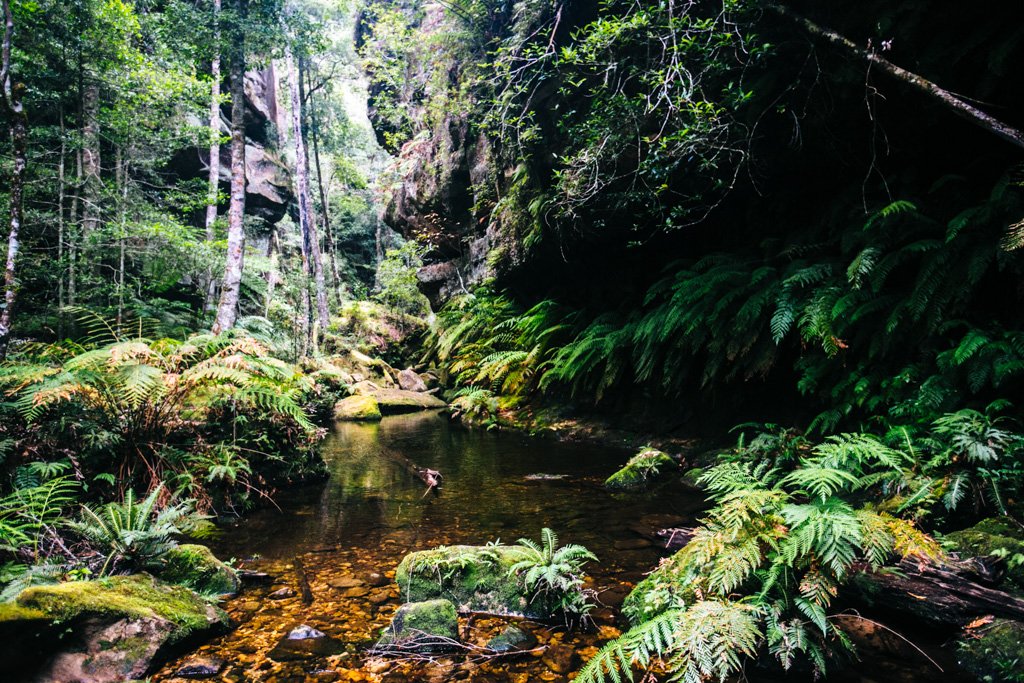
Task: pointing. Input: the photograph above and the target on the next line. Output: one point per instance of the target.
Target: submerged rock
(427, 626)
(993, 652)
(512, 639)
(305, 642)
(99, 631)
(475, 578)
(200, 667)
(640, 471)
(196, 566)
(304, 633)
(357, 408)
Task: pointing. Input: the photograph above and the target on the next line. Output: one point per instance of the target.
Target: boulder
(475, 578)
(358, 408)
(427, 626)
(993, 652)
(408, 380)
(195, 566)
(397, 401)
(640, 471)
(101, 631)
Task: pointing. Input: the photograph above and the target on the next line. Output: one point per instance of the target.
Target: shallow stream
(335, 539)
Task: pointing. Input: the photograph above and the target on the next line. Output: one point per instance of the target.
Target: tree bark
(214, 176)
(227, 310)
(307, 222)
(922, 85)
(18, 126)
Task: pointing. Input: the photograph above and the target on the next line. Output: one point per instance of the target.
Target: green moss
(139, 596)
(692, 477)
(1000, 526)
(475, 578)
(13, 612)
(994, 653)
(357, 408)
(196, 566)
(430, 625)
(974, 542)
(640, 470)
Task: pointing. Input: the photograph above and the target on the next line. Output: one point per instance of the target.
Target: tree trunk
(122, 211)
(922, 85)
(307, 222)
(227, 311)
(18, 125)
(61, 199)
(92, 181)
(272, 249)
(214, 176)
(325, 207)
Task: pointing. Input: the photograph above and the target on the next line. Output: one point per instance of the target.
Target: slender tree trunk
(122, 211)
(91, 166)
(272, 249)
(325, 207)
(18, 125)
(73, 232)
(307, 222)
(214, 177)
(61, 199)
(227, 311)
(922, 85)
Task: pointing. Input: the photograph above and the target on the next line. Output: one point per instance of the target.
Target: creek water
(341, 540)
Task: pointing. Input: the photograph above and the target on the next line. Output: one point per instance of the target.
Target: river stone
(112, 629)
(357, 409)
(377, 580)
(475, 578)
(427, 626)
(304, 633)
(343, 582)
(640, 471)
(200, 667)
(196, 567)
(282, 593)
(512, 639)
(408, 380)
(559, 658)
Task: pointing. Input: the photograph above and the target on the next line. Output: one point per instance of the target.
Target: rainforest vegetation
(781, 241)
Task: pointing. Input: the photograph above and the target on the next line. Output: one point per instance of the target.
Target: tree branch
(947, 99)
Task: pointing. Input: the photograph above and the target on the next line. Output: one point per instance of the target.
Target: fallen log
(432, 478)
(952, 593)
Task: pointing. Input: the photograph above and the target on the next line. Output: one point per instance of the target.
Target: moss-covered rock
(101, 631)
(640, 471)
(992, 537)
(133, 597)
(196, 566)
(691, 478)
(475, 578)
(397, 401)
(428, 626)
(357, 408)
(994, 653)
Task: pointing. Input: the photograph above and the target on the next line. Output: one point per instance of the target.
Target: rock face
(640, 471)
(113, 629)
(357, 408)
(428, 626)
(196, 567)
(475, 578)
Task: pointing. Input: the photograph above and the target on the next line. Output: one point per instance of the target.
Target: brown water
(372, 511)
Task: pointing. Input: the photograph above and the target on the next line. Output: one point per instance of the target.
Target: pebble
(282, 593)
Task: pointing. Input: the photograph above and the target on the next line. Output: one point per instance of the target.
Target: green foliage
(29, 514)
(134, 535)
(763, 568)
(211, 416)
(396, 281)
(554, 572)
